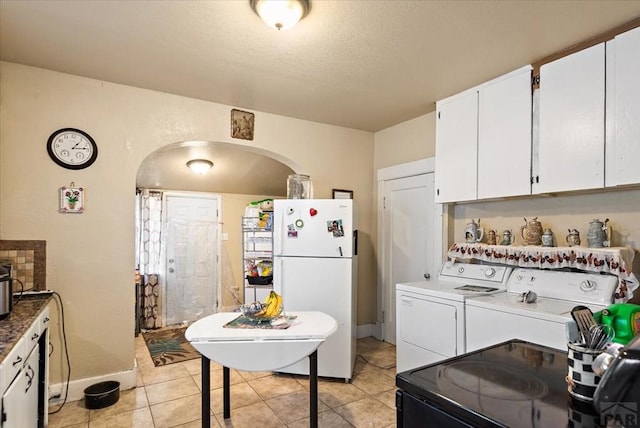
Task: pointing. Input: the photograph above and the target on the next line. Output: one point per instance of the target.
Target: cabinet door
(571, 141)
(20, 400)
(504, 137)
(624, 146)
(456, 172)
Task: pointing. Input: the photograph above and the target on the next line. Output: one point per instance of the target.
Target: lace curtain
(148, 248)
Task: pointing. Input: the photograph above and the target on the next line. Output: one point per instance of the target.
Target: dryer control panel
(474, 273)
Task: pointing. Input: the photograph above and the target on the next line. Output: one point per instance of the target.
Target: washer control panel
(573, 286)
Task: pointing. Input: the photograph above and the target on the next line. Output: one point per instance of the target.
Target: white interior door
(191, 257)
(408, 239)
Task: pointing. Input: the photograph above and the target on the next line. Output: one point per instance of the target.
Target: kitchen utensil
(584, 318)
(602, 361)
(599, 336)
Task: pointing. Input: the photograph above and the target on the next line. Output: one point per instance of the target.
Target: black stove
(512, 384)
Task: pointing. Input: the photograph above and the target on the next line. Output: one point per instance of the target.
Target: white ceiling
(361, 64)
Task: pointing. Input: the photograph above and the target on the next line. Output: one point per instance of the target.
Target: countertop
(24, 312)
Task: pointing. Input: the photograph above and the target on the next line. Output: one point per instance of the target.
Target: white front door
(191, 257)
(408, 218)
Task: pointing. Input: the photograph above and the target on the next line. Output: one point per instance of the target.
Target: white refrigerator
(315, 253)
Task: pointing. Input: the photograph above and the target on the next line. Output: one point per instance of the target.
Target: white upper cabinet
(572, 123)
(623, 104)
(457, 148)
(483, 140)
(504, 136)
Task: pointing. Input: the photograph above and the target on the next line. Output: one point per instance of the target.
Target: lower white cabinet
(20, 400)
(24, 378)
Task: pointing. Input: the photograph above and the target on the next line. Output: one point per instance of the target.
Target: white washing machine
(430, 315)
(504, 316)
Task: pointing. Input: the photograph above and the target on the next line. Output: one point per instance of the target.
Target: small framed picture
(342, 194)
(242, 124)
(71, 199)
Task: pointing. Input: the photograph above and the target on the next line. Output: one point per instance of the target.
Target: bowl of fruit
(268, 310)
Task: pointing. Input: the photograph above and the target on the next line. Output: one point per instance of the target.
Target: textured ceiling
(360, 64)
(236, 169)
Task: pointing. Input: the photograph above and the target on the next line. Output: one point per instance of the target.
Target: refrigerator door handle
(340, 248)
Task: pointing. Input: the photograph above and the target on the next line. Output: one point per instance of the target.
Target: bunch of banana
(271, 306)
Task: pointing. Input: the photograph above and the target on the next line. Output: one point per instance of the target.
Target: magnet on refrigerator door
(335, 226)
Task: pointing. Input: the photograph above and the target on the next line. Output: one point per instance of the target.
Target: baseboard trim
(127, 380)
(366, 330)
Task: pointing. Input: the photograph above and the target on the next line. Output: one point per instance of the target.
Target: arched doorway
(240, 175)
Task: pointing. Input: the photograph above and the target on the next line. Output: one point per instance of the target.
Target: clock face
(72, 148)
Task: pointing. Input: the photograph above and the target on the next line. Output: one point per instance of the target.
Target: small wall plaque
(71, 199)
(242, 124)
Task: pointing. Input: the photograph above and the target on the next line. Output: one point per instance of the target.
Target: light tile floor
(169, 396)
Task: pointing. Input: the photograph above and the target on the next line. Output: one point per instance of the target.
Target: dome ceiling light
(200, 166)
(280, 14)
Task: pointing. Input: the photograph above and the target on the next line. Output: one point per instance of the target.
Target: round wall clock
(72, 148)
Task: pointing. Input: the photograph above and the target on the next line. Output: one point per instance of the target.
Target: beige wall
(90, 255)
(560, 213)
(408, 141)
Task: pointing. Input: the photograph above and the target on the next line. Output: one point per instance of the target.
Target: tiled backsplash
(28, 259)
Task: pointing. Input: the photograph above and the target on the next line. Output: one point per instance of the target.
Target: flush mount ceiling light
(280, 14)
(200, 166)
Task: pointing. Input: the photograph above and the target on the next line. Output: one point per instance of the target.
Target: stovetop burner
(491, 381)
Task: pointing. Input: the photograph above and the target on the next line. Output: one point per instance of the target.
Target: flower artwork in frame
(71, 199)
(242, 124)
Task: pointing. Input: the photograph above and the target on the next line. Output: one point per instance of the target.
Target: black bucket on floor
(102, 394)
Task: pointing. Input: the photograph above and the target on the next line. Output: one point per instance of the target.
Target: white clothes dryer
(430, 315)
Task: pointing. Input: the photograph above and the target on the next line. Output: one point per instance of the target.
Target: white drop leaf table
(258, 349)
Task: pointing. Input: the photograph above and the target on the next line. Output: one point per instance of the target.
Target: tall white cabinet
(483, 140)
(456, 148)
(504, 136)
(571, 145)
(623, 102)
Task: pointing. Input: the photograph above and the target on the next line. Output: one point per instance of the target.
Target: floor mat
(168, 346)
